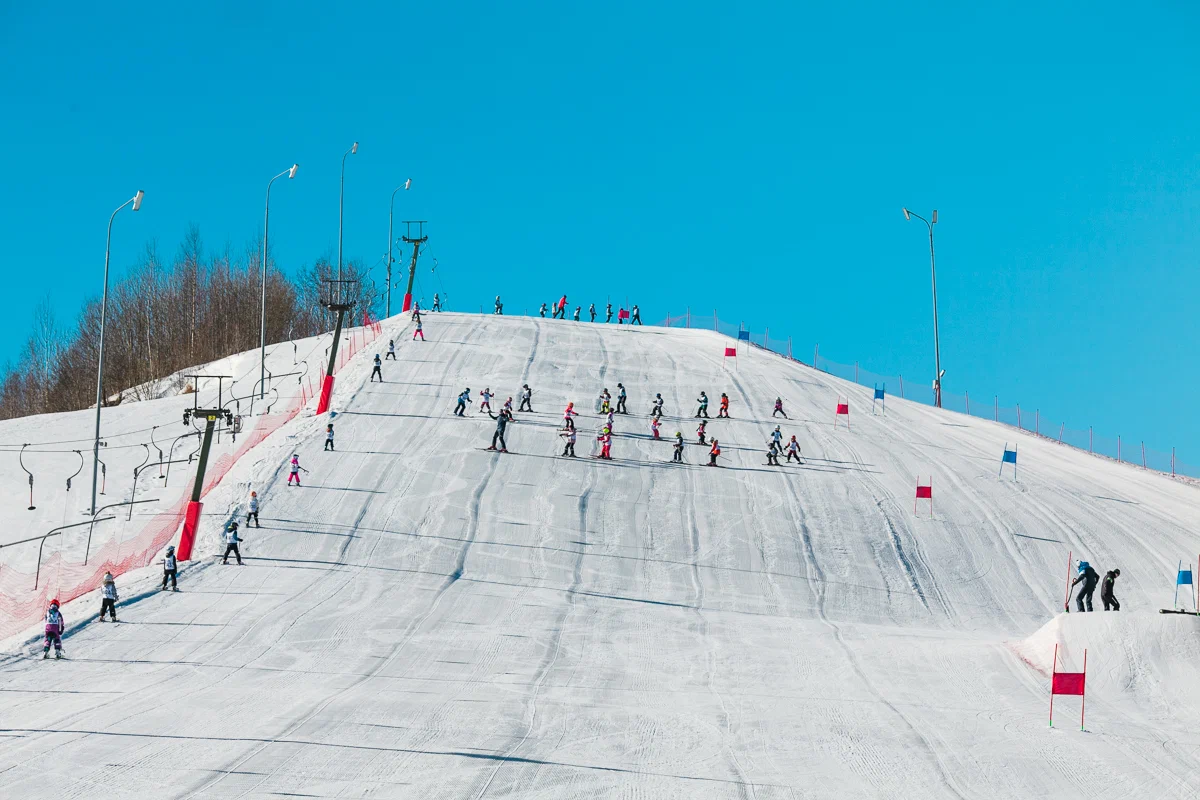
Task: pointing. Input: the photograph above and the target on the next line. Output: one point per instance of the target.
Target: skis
(1179, 611)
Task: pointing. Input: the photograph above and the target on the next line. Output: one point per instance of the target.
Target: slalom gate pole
(1053, 668)
(1067, 599)
(1083, 697)
(1178, 569)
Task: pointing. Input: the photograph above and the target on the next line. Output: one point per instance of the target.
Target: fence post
(766, 338)
(1018, 416)
(901, 387)
(856, 372)
(997, 408)
(816, 349)
(789, 347)
(1037, 421)
(1172, 462)
(1089, 438)
(668, 319)
(689, 317)
(1060, 432)
(1143, 455)
(1118, 448)
(967, 395)
(715, 327)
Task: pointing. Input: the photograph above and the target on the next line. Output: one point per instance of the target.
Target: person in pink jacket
(568, 417)
(55, 626)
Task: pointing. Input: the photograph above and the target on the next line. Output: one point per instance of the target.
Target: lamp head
(906, 214)
(354, 148)
(407, 184)
(934, 217)
(137, 199)
(292, 171)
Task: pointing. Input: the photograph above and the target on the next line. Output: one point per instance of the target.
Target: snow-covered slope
(426, 619)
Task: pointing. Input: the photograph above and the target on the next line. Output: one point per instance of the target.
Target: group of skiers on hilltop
(558, 310)
(1089, 578)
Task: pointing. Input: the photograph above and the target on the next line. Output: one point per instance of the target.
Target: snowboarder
(677, 457)
(608, 313)
(654, 424)
(463, 399)
(793, 450)
(542, 311)
(499, 306)
(419, 331)
(391, 350)
(773, 453)
(779, 408)
(485, 401)
(577, 310)
(1089, 578)
(657, 410)
(231, 544)
(724, 412)
(1106, 590)
(253, 512)
(109, 592)
(700, 432)
(294, 472)
(568, 417)
(569, 445)
(526, 399)
(621, 398)
(713, 453)
(437, 303)
(55, 626)
(501, 423)
(592, 311)
(170, 569)
(605, 439)
(377, 370)
(328, 438)
(703, 409)
(637, 316)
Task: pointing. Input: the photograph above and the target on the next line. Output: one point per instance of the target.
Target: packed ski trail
(423, 619)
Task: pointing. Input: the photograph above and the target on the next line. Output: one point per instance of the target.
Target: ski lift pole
(21, 459)
(87, 550)
(191, 520)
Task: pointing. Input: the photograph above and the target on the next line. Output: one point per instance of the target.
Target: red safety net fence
(25, 593)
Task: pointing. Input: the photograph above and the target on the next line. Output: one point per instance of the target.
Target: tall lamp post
(262, 324)
(136, 201)
(341, 194)
(937, 351)
(392, 245)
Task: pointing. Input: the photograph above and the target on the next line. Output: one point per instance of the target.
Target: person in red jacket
(724, 412)
(560, 309)
(713, 453)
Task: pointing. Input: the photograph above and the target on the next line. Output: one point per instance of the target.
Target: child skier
(608, 313)
(724, 412)
(793, 450)
(777, 437)
(577, 310)
(463, 399)
(253, 512)
(703, 409)
(508, 407)
(677, 457)
(657, 410)
(501, 424)
(569, 445)
(542, 311)
(170, 569)
(231, 544)
(621, 398)
(779, 408)
(109, 592)
(1106, 590)
(391, 353)
(713, 453)
(55, 626)
(605, 399)
(419, 331)
(700, 432)
(592, 311)
(636, 319)
(437, 303)
(329, 436)
(605, 439)
(377, 370)
(654, 423)
(568, 417)
(499, 306)
(294, 472)
(773, 453)
(485, 401)
(526, 399)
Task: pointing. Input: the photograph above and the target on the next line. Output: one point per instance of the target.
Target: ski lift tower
(211, 416)
(339, 301)
(416, 242)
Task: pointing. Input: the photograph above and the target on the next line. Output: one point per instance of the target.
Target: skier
(499, 306)
(577, 310)
(658, 405)
(777, 436)
(542, 311)
(568, 421)
(418, 331)
(773, 453)
(391, 350)
(485, 402)
(677, 457)
(55, 626)
(170, 569)
(328, 440)
(700, 432)
(109, 603)
(1089, 578)
(605, 399)
(592, 311)
(713, 453)
(654, 424)
(526, 399)
(377, 370)
(703, 409)
(231, 544)
(608, 313)
(560, 308)
(605, 439)
(501, 423)
(569, 445)
(793, 450)
(1106, 590)
(463, 399)
(416, 311)
(621, 398)
(294, 472)
(508, 407)
(779, 408)
(437, 303)
(636, 319)
(609, 419)
(724, 412)
(253, 512)
(621, 315)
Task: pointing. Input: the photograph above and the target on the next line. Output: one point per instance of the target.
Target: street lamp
(392, 245)
(262, 325)
(341, 193)
(937, 352)
(136, 202)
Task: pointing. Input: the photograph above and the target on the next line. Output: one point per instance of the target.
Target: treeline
(164, 317)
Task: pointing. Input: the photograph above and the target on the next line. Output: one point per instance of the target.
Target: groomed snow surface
(424, 619)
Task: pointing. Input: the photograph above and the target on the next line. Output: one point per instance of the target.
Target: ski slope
(426, 619)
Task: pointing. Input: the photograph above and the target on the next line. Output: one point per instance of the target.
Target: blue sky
(751, 158)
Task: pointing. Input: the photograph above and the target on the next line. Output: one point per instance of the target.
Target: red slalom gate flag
(924, 493)
(730, 352)
(1068, 683)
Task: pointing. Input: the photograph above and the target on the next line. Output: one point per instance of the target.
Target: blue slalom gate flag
(743, 336)
(1010, 456)
(1183, 577)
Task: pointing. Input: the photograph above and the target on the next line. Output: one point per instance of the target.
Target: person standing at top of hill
(560, 309)
(437, 303)
(592, 311)
(499, 306)
(1089, 578)
(1106, 590)
(542, 311)
(636, 319)
(608, 313)
(577, 310)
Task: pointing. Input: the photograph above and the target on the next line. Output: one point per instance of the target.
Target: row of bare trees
(165, 317)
